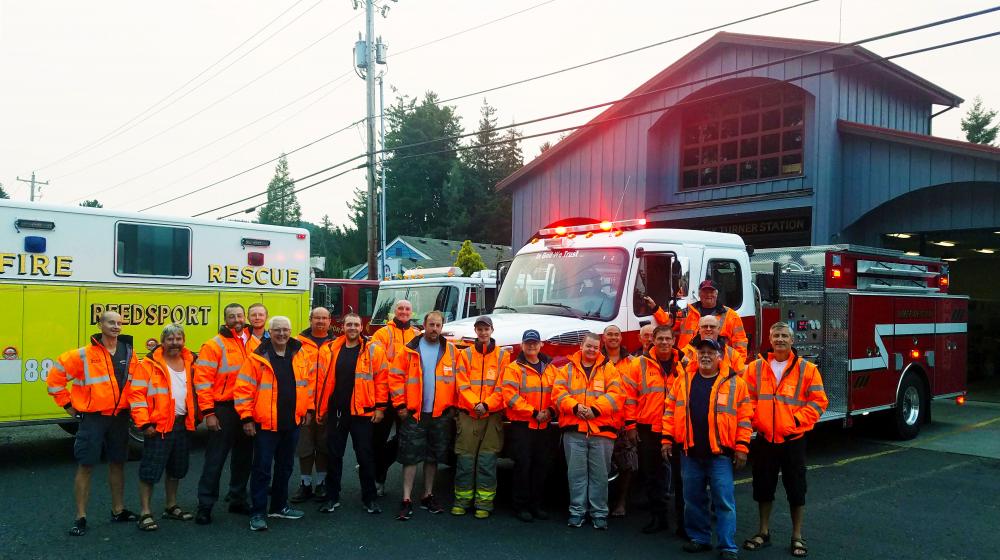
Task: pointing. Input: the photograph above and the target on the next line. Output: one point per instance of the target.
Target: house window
(747, 137)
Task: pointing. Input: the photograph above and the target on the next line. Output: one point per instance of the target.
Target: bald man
(101, 373)
(645, 339)
(312, 439)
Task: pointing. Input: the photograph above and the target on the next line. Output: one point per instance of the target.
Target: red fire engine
(880, 324)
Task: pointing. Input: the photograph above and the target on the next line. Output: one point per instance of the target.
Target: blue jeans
(277, 449)
(715, 472)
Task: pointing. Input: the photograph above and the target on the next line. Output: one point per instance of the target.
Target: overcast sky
(75, 71)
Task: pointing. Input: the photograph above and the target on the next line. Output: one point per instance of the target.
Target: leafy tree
(91, 204)
(977, 124)
(3, 193)
(282, 206)
(468, 259)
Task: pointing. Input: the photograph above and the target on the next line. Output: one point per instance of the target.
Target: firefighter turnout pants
(477, 443)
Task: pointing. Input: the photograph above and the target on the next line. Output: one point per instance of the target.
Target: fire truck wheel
(910, 407)
(70, 427)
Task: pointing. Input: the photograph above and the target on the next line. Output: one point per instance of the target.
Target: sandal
(123, 516)
(798, 548)
(79, 528)
(757, 542)
(147, 523)
(175, 512)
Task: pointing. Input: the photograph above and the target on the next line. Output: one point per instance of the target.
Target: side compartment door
(49, 330)
(951, 345)
(871, 365)
(12, 360)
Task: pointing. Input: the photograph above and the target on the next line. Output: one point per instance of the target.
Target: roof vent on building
(424, 241)
(445, 243)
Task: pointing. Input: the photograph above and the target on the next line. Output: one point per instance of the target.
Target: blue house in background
(785, 142)
(407, 251)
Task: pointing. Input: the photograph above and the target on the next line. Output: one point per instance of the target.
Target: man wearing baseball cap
(480, 422)
(731, 326)
(707, 417)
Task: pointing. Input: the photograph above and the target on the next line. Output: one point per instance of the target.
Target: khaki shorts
(312, 440)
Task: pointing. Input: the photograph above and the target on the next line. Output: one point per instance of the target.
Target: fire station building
(785, 142)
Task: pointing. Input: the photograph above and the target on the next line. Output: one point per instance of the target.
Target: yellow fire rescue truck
(61, 267)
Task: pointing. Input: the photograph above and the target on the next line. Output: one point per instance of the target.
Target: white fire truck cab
(878, 323)
(441, 288)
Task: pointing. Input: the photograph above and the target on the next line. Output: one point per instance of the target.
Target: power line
(216, 102)
(660, 109)
(223, 137)
(124, 127)
(296, 191)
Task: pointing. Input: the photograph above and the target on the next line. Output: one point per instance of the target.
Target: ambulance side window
(148, 250)
(727, 275)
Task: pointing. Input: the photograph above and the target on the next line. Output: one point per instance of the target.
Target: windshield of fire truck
(583, 283)
(424, 298)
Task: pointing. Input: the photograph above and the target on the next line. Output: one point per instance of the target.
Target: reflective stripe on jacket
(730, 328)
(406, 378)
(602, 392)
(785, 410)
(646, 386)
(256, 392)
(730, 413)
(95, 387)
(480, 381)
(151, 398)
(215, 370)
(393, 339)
(371, 387)
(312, 351)
(526, 391)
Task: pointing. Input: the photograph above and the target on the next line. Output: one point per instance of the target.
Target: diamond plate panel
(833, 366)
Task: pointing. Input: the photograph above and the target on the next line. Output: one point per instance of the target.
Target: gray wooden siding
(589, 177)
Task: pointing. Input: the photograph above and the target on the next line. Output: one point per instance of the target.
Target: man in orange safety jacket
(730, 324)
(312, 438)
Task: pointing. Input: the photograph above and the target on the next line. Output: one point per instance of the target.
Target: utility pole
(33, 182)
(367, 54)
(381, 212)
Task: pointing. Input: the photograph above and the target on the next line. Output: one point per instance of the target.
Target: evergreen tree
(3, 193)
(976, 124)
(468, 259)
(282, 206)
(91, 204)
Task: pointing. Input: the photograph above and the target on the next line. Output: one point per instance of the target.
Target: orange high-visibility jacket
(151, 398)
(730, 328)
(253, 342)
(786, 410)
(623, 361)
(256, 392)
(732, 358)
(730, 411)
(646, 385)
(371, 385)
(602, 391)
(480, 382)
(215, 370)
(312, 351)
(95, 387)
(527, 391)
(406, 378)
(393, 339)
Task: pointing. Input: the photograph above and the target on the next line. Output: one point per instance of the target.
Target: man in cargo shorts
(101, 373)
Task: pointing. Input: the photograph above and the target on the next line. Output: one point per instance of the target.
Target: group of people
(679, 413)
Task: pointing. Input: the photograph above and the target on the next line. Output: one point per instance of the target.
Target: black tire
(911, 408)
(70, 427)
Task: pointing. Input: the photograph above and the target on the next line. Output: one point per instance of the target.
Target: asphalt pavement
(937, 496)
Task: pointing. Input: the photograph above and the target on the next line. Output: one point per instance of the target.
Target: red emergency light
(915, 354)
(606, 226)
(960, 400)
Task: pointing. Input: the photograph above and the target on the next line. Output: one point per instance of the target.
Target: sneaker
(405, 510)
(373, 507)
(600, 523)
(239, 507)
(575, 521)
(540, 514)
(203, 517)
(380, 489)
(525, 515)
(430, 504)
(482, 514)
(320, 493)
(457, 510)
(329, 507)
(287, 513)
(79, 527)
(728, 555)
(692, 546)
(304, 493)
(258, 523)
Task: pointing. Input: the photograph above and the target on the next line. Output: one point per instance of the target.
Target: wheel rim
(911, 406)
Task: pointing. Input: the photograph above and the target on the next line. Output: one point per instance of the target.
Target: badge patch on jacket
(491, 374)
(787, 391)
(599, 385)
(723, 399)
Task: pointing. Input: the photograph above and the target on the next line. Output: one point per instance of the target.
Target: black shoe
(239, 507)
(540, 514)
(692, 546)
(123, 516)
(203, 517)
(373, 507)
(79, 527)
(681, 534)
(303, 494)
(329, 507)
(656, 524)
(430, 504)
(320, 492)
(525, 515)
